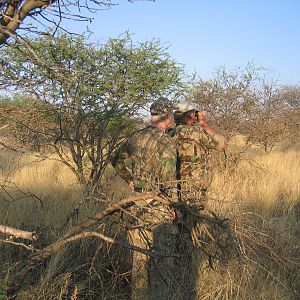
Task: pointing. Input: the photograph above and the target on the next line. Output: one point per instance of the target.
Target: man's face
(192, 118)
(170, 119)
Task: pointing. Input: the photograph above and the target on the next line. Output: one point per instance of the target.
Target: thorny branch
(45, 14)
(210, 227)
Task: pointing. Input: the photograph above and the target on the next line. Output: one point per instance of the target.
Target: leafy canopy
(92, 91)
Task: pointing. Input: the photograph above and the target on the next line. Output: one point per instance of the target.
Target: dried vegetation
(248, 240)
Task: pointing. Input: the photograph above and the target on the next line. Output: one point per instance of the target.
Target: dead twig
(112, 241)
(28, 247)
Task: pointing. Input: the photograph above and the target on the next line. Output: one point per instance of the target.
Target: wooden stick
(27, 235)
(125, 203)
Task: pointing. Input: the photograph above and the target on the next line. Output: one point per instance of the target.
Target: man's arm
(118, 162)
(167, 152)
(213, 132)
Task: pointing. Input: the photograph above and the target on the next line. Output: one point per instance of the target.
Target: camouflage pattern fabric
(161, 106)
(194, 146)
(148, 159)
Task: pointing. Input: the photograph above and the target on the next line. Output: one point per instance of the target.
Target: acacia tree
(246, 102)
(15, 135)
(290, 94)
(85, 94)
(228, 97)
(44, 13)
(267, 125)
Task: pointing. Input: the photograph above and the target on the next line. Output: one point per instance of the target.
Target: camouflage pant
(152, 278)
(192, 194)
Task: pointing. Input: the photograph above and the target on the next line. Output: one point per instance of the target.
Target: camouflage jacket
(147, 158)
(194, 146)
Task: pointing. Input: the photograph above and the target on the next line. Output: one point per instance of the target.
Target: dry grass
(262, 195)
(262, 181)
(36, 193)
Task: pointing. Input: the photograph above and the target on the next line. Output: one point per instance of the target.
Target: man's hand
(131, 185)
(213, 132)
(202, 118)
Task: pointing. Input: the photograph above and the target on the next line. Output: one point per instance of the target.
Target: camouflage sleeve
(167, 152)
(168, 167)
(118, 161)
(209, 140)
(218, 138)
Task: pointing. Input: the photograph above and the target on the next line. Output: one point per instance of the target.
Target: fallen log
(27, 235)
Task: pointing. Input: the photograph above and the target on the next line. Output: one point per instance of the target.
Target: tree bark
(16, 20)
(27, 235)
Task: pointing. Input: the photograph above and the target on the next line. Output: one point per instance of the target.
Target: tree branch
(28, 247)
(111, 241)
(27, 235)
(125, 203)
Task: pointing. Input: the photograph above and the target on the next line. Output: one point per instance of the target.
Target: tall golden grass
(37, 192)
(262, 193)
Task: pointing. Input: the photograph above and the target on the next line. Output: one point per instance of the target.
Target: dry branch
(112, 241)
(122, 204)
(27, 235)
(28, 247)
(80, 231)
(77, 229)
(77, 232)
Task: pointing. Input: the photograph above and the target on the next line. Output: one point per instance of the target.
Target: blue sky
(205, 34)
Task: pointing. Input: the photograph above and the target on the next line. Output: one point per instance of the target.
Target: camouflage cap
(184, 107)
(161, 106)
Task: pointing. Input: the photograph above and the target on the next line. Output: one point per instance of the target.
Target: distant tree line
(79, 99)
(246, 102)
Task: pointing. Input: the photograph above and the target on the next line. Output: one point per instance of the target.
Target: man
(147, 162)
(195, 140)
(147, 158)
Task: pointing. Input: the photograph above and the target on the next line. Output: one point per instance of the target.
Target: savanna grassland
(259, 192)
